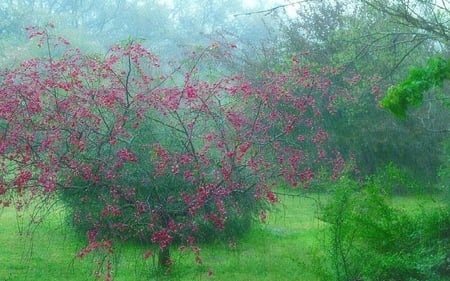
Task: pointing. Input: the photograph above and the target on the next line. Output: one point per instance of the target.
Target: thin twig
(271, 10)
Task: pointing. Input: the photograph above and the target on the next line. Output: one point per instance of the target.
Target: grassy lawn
(289, 246)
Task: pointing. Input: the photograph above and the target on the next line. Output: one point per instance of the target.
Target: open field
(290, 246)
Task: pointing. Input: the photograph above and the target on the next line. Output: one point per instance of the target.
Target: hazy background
(169, 27)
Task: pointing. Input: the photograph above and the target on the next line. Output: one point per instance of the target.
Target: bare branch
(271, 10)
(405, 13)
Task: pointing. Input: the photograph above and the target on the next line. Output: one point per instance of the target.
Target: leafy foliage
(421, 79)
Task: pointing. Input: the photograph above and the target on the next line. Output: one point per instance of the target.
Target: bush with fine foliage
(371, 239)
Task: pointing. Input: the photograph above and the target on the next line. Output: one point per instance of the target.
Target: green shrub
(86, 203)
(444, 171)
(370, 239)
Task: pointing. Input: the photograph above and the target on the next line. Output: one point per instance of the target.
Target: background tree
(359, 38)
(430, 18)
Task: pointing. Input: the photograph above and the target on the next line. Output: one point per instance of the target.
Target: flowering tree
(137, 154)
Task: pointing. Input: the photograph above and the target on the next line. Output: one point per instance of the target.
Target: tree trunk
(163, 257)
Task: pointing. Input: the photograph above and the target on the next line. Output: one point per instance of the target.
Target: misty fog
(315, 130)
(168, 27)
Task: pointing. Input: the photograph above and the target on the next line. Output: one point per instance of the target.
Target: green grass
(281, 249)
(289, 246)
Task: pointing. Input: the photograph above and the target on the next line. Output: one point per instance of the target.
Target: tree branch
(271, 10)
